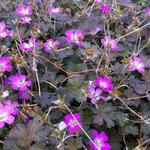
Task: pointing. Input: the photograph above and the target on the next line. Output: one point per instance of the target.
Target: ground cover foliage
(75, 74)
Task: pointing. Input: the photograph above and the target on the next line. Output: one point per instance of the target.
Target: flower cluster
(8, 111)
(135, 63)
(73, 122)
(104, 84)
(65, 44)
(24, 13)
(4, 32)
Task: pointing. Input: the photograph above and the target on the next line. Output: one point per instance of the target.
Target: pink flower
(107, 42)
(25, 20)
(95, 31)
(11, 106)
(104, 83)
(74, 37)
(23, 10)
(24, 95)
(6, 115)
(100, 141)
(148, 11)
(95, 95)
(50, 44)
(2, 26)
(55, 10)
(99, 1)
(71, 122)
(4, 32)
(105, 9)
(29, 46)
(5, 64)
(19, 82)
(136, 64)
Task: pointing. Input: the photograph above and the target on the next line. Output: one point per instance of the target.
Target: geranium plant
(75, 75)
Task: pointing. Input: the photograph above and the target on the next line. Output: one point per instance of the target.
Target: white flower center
(21, 83)
(75, 37)
(103, 84)
(139, 66)
(51, 45)
(55, 10)
(3, 115)
(25, 11)
(2, 65)
(72, 123)
(98, 143)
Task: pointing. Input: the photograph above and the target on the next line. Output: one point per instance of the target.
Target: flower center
(51, 45)
(103, 84)
(76, 37)
(2, 65)
(98, 143)
(3, 115)
(21, 83)
(72, 123)
(109, 45)
(25, 11)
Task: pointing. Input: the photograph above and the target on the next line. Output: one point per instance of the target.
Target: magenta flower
(19, 82)
(11, 106)
(5, 64)
(25, 20)
(29, 46)
(104, 83)
(135, 63)
(93, 94)
(50, 44)
(100, 141)
(4, 32)
(24, 95)
(55, 10)
(6, 115)
(105, 9)
(23, 10)
(74, 37)
(71, 122)
(148, 11)
(107, 42)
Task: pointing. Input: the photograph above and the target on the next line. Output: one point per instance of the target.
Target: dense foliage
(75, 74)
